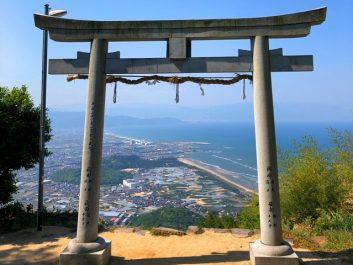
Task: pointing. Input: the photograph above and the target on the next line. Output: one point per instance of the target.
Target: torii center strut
(87, 247)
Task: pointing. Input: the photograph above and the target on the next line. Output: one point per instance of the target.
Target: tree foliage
(341, 155)
(249, 217)
(111, 166)
(315, 179)
(178, 218)
(110, 176)
(316, 185)
(15, 216)
(213, 220)
(134, 161)
(19, 141)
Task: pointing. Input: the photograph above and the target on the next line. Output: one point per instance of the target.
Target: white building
(130, 183)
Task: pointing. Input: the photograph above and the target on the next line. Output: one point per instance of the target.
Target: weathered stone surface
(257, 258)
(193, 229)
(217, 230)
(188, 65)
(291, 25)
(89, 247)
(241, 233)
(177, 48)
(164, 231)
(100, 257)
(87, 228)
(265, 138)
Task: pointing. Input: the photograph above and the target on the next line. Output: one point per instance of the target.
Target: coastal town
(189, 184)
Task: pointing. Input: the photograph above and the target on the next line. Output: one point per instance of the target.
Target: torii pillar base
(276, 255)
(101, 257)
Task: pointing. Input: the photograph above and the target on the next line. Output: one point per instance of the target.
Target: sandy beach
(216, 173)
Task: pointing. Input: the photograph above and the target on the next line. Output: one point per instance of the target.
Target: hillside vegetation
(316, 186)
(111, 169)
(178, 218)
(109, 176)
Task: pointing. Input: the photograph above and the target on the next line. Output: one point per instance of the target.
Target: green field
(111, 169)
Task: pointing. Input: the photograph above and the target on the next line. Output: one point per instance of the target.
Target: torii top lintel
(284, 26)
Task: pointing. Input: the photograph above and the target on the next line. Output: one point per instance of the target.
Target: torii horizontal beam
(241, 63)
(284, 26)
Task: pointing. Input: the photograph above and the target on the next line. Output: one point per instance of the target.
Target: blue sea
(231, 146)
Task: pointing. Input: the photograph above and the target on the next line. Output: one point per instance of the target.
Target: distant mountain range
(238, 112)
(73, 120)
(136, 114)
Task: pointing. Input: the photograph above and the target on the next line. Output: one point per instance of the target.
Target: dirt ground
(32, 247)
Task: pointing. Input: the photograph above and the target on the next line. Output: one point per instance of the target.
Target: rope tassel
(244, 95)
(114, 95)
(151, 82)
(177, 93)
(202, 90)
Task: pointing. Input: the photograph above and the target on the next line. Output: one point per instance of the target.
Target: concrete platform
(261, 259)
(95, 258)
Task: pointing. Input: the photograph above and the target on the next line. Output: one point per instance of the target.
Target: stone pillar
(87, 240)
(271, 243)
(271, 230)
(87, 227)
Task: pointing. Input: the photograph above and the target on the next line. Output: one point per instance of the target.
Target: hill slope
(111, 169)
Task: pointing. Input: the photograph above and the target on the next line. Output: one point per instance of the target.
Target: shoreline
(216, 174)
(128, 138)
(215, 171)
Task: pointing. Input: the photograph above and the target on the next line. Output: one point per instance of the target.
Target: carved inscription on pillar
(269, 180)
(270, 184)
(86, 215)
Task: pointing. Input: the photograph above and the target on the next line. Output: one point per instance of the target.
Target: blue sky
(326, 93)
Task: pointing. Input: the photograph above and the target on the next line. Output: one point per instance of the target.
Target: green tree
(213, 220)
(342, 164)
(19, 137)
(313, 179)
(178, 218)
(249, 217)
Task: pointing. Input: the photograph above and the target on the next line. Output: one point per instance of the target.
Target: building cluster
(146, 190)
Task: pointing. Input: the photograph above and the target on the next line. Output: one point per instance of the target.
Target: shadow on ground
(32, 247)
(316, 258)
(43, 248)
(232, 256)
(19, 256)
(32, 236)
(322, 258)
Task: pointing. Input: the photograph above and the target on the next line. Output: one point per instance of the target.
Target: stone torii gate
(87, 247)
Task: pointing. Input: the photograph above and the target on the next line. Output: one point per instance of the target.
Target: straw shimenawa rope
(169, 79)
(176, 81)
